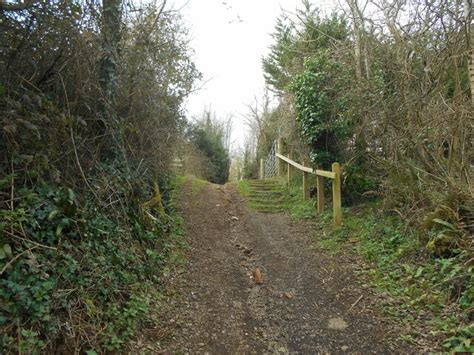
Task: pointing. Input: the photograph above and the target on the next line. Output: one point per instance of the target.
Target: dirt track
(309, 302)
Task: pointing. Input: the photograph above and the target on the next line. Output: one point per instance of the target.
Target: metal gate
(270, 162)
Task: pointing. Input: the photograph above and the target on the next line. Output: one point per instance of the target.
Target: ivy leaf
(71, 195)
(8, 250)
(52, 214)
(59, 229)
(419, 271)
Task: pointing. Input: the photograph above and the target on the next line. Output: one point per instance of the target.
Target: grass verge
(243, 187)
(433, 295)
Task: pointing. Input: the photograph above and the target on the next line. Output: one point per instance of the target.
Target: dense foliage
(91, 107)
(384, 89)
(209, 137)
(382, 100)
(322, 112)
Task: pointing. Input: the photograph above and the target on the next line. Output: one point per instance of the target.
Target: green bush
(357, 184)
(69, 265)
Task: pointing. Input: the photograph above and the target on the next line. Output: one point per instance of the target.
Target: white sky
(229, 38)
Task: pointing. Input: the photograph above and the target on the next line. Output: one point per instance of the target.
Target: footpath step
(267, 196)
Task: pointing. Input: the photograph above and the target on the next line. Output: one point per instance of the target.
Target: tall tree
(210, 136)
(111, 27)
(468, 20)
(360, 46)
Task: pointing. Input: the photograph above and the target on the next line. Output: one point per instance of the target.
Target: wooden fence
(334, 175)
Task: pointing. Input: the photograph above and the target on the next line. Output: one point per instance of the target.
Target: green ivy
(322, 106)
(75, 266)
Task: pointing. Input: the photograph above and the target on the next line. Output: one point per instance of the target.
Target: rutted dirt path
(306, 304)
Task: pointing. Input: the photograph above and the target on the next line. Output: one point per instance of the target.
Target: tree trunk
(356, 27)
(468, 19)
(111, 23)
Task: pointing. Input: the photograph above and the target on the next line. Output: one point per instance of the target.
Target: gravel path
(309, 301)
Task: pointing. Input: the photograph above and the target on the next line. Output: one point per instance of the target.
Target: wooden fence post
(281, 163)
(290, 170)
(262, 170)
(305, 182)
(320, 192)
(336, 195)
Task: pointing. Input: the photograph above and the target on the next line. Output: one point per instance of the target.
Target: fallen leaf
(257, 276)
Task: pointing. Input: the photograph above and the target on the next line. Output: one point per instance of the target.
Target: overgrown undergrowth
(76, 275)
(434, 293)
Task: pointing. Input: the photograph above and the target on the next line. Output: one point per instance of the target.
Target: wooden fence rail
(334, 175)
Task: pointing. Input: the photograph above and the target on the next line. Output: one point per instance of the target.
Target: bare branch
(19, 6)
